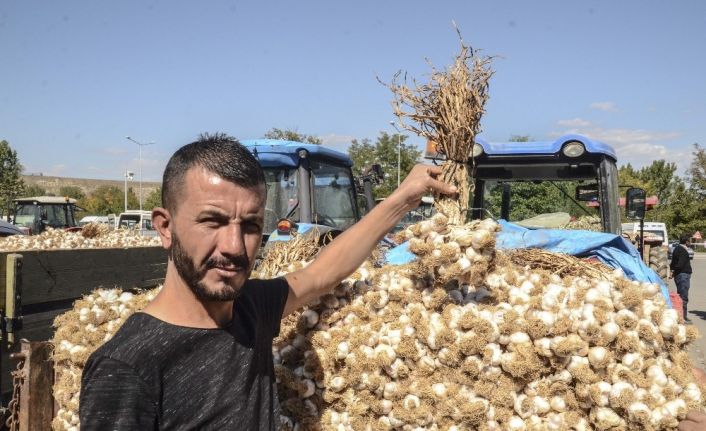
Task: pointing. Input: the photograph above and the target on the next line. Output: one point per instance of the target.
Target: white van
(139, 220)
(109, 220)
(653, 230)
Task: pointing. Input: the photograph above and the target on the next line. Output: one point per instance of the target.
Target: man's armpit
(114, 397)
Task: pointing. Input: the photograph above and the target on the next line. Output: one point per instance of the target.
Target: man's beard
(193, 276)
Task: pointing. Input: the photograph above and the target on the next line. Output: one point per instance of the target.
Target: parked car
(673, 244)
(7, 229)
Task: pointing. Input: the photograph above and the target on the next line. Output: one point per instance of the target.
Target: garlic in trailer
(464, 338)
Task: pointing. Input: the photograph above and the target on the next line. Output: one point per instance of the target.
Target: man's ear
(161, 220)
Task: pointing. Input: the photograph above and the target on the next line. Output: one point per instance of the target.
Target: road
(697, 307)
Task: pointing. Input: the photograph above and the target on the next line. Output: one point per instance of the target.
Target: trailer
(35, 287)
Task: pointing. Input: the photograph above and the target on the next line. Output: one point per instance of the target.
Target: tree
(685, 214)
(697, 171)
(109, 200)
(292, 135)
(32, 190)
(154, 199)
(72, 192)
(660, 178)
(384, 152)
(11, 183)
(630, 177)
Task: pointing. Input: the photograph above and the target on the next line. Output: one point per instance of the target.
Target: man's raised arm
(350, 249)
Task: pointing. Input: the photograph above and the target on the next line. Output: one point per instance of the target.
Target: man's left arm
(350, 249)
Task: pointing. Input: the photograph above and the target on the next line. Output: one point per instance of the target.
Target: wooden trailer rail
(36, 286)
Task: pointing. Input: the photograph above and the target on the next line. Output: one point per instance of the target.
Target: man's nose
(231, 241)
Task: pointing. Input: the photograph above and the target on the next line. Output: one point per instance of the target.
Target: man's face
(215, 233)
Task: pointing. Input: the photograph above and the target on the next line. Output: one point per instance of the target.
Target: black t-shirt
(153, 375)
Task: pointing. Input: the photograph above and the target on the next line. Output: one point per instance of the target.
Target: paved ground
(697, 307)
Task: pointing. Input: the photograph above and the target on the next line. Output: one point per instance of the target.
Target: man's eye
(210, 222)
(252, 227)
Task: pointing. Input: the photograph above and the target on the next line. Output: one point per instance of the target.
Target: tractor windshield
(26, 215)
(541, 204)
(282, 198)
(334, 195)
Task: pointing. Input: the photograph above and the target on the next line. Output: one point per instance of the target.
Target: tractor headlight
(573, 149)
(477, 150)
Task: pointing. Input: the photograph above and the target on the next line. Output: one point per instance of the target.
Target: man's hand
(695, 421)
(422, 180)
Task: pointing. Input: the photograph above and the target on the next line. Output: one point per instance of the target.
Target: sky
(77, 77)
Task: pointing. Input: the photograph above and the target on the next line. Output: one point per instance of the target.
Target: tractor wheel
(659, 262)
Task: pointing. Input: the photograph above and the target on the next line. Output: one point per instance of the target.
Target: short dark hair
(218, 153)
(684, 238)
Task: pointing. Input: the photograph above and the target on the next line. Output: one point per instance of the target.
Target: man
(200, 355)
(681, 271)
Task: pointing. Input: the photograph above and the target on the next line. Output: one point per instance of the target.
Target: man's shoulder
(258, 289)
(252, 283)
(133, 343)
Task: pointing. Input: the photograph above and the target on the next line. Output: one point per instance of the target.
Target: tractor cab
(307, 186)
(34, 214)
(571, 182)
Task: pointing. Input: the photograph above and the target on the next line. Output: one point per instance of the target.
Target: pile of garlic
(58, 239)
(592, 223)
(93, 320)
(463, 339)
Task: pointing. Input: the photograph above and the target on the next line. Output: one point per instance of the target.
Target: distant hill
(53, 184)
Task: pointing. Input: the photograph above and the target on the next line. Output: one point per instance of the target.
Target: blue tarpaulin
(613, 250)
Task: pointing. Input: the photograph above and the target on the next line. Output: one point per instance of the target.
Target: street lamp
(140, 163)
(128, 176)
(399, 146)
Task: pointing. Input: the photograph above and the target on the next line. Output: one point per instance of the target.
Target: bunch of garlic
(94, 319)
(58, 239)
(463, 339)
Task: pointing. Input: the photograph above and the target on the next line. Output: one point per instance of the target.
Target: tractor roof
(544, 147)
(274, 153)
(47, 200)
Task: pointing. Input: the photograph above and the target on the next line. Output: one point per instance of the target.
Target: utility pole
(399, 150)
(140, 163)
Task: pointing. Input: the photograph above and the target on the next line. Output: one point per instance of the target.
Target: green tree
(292, 135)
(11, 183)
(697, 171)
(660, 178)
(685, 213)
(133, 201)
(32, 190)
(72, 192)
(109, 200)
(384, 152)
(630, 177)
(153, 200)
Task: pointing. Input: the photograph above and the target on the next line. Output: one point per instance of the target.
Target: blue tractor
(547, 184)
(310, 187)
(568, 183)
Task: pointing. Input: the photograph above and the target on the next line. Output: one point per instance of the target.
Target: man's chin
(218, 293)
(219, 288)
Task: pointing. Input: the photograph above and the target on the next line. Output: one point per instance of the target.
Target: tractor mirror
(362, 204)
(635, 203)
(377, 171)
(587, 193)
